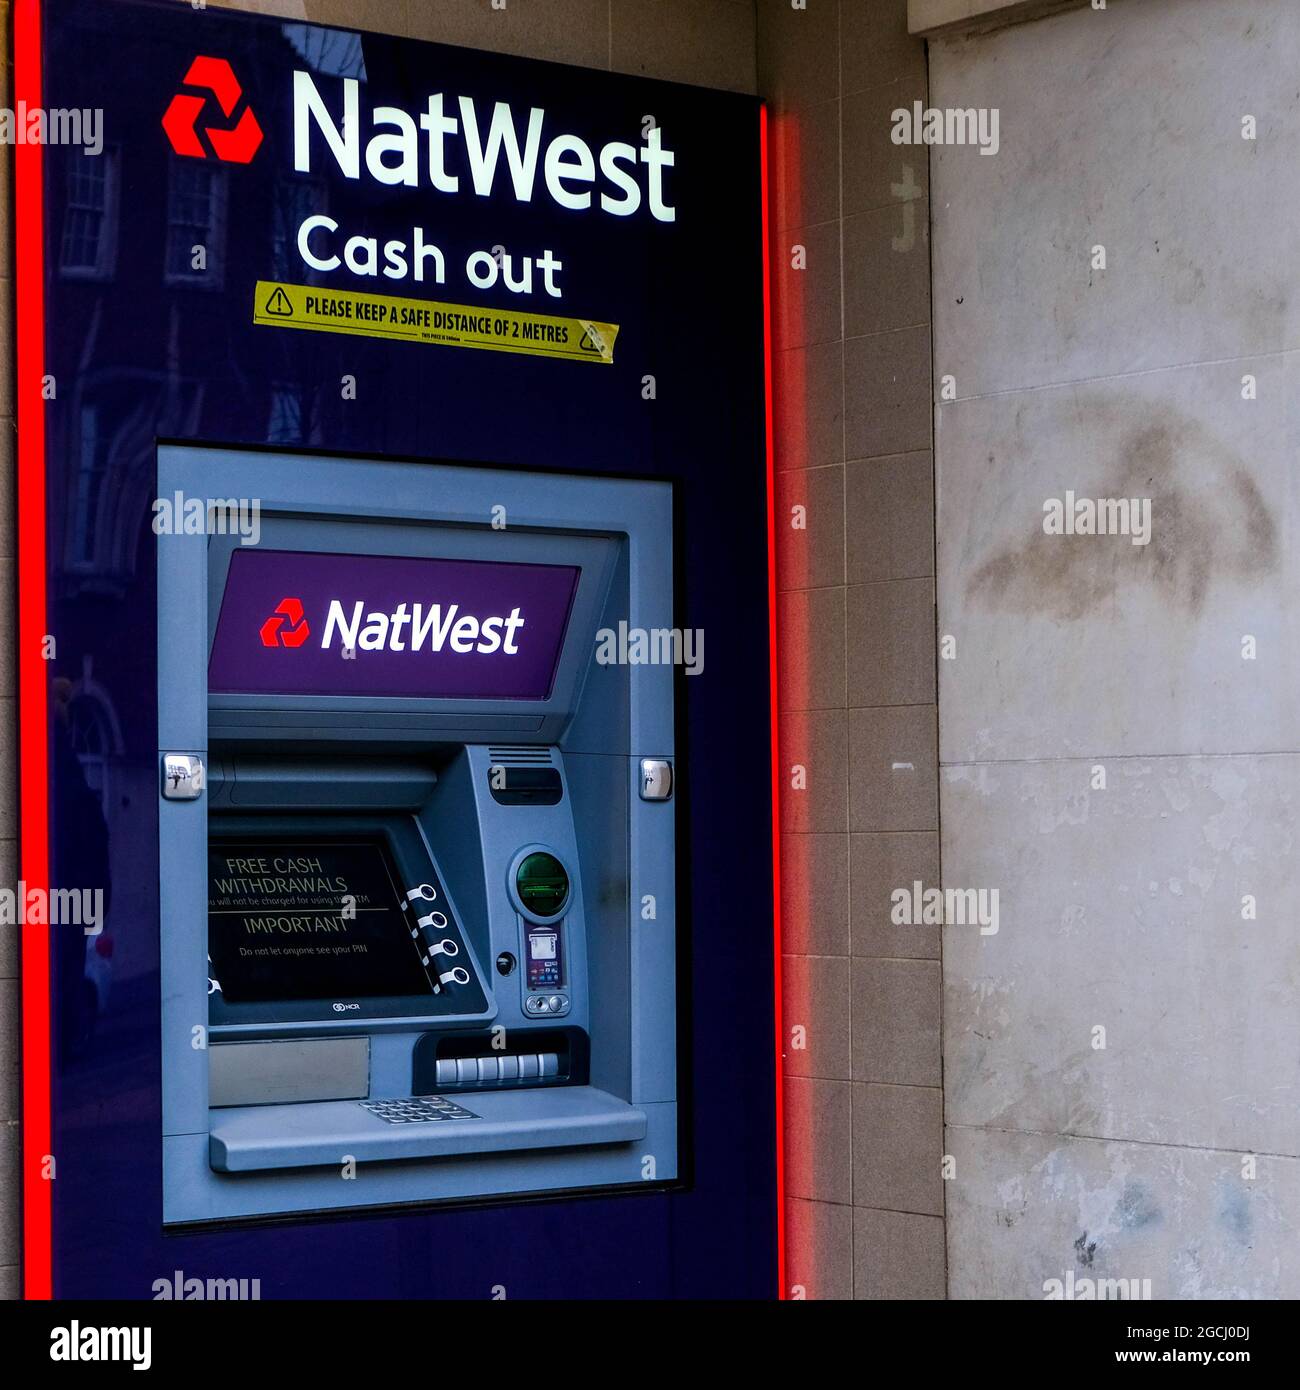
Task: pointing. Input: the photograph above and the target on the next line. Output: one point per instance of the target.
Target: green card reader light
(539, 888)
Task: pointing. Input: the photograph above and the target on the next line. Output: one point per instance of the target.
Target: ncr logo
(273, 631)
(212, 77)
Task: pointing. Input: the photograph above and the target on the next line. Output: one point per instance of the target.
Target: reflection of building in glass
(90, 482)
(95, 733)
(196, 223)
(172, 367)
(285, 423)
(110, 434)
(296, 199)
(88, 249)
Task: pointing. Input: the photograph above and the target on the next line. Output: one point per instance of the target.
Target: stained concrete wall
(934, 17)
(1083, 658)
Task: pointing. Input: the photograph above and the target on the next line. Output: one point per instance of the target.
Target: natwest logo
(273, 631)
(390, 626)
(232, 144)
(417, 626)
(414, 627)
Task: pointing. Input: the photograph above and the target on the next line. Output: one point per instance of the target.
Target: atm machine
(416, 842)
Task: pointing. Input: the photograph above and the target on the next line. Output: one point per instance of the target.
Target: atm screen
(298, 920)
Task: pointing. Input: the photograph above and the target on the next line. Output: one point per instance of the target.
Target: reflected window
(285, 425)
(96, 735)
(90, 490)
(295, 202)
(88, 247)
(196, 224)
(92, 741)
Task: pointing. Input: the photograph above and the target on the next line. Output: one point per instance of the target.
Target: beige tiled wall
(706, 42)
(852, 394)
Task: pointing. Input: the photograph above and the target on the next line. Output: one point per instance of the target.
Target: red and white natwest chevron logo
(273, 630)
(236, 145)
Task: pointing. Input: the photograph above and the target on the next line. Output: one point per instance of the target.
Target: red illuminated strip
(772, 684)
(33, 768)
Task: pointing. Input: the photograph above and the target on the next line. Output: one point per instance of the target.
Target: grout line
(927, 449)
(788, 472)
(809, 226)
(936, 633)
(1118, 1139)
(902, 1211)
(882, 332)
(881, 207)
(852, 956)
(1110, 757)
(890, 579)
(850, 1206)
(1124, 376)
(911, 328)
(844, 540)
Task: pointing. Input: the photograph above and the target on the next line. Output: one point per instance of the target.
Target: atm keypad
(412, 1110)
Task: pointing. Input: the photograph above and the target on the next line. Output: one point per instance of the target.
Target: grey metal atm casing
(422, 766)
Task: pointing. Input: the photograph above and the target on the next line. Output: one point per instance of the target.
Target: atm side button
(509, 1068)
(466, 1069)
(530, 1066)
(446, 1070)
(550, 1063)
(488, 1069)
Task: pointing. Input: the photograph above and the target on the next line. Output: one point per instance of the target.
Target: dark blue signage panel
(284, 236)
(305, 623)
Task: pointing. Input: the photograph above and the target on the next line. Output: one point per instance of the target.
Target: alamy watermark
(1068, 1288)
(945, 907)
(86, 1342)
(949, 125)
(1098, 516)
(35, 125)
(54, 907)
(179, 515)
(656, 646)
(192, 1289)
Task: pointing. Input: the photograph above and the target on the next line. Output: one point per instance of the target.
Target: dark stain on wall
(1209, 523)
(1136, 1207)
(1234, 1212)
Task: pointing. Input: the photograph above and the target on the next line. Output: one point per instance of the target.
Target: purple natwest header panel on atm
(305, 623)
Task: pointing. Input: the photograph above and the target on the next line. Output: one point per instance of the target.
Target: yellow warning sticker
(427, 321)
